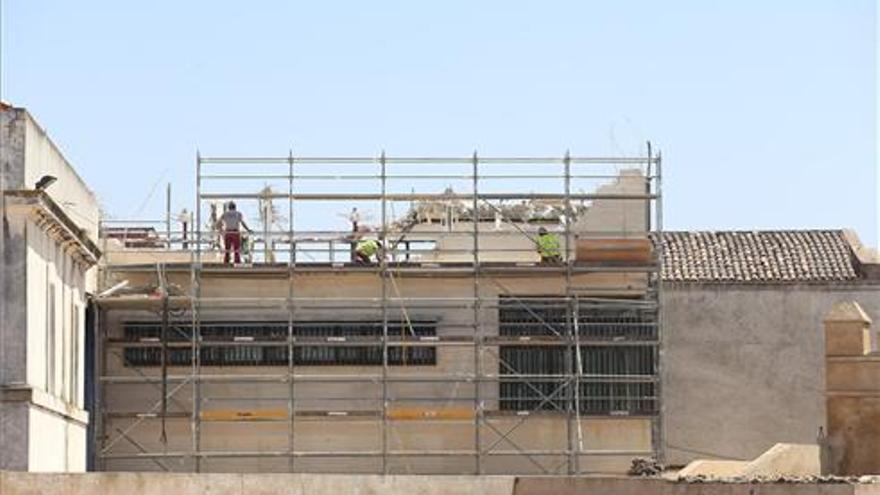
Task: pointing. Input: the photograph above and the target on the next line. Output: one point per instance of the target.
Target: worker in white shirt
(231, 222)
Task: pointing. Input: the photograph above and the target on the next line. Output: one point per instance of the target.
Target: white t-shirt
(231, 219)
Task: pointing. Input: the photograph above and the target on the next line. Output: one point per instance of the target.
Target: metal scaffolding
(573, 325)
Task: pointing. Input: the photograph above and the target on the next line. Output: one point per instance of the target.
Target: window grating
(368, 353)
(617, 378)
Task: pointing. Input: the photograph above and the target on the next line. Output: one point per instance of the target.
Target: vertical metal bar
(659, 441)
(168, 217)
(195, 282)
(384, 274)
(101, 410)
(569, 351)
(478, 334)
(648, 170)
(164, 357)
(291, 413)
(579, 369)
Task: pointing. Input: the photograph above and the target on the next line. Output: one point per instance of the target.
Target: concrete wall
(42, 370)
(70, 192)
(49, 269)
(617, 217)
(56, 444)
(630, 436)
(852, 366)
(305, 484)
(501, 242)
(743, 365)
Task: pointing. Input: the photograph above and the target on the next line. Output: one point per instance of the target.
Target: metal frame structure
(479, 271)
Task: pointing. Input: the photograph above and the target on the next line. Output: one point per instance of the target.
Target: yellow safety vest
(368, 247)
(548, 245)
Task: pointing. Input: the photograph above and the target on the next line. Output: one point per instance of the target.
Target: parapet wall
(18, 483)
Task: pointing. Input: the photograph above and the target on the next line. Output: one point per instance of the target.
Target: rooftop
(758, 256)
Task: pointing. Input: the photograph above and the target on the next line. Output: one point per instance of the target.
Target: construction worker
(231, 222)
(548, 247)
(366, 249)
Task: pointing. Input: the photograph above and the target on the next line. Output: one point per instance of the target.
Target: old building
(466, 348)
(483, 341)
(48, 251)
(463, 347)
(744, 347)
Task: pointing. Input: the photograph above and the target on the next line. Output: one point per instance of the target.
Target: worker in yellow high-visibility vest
(548, 246)
(366, 250)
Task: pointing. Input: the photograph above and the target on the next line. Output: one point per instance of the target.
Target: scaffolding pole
(383, 263)
(291, 267)
(659, 431)
(196, 326)
(554, 395)
(478, 334)
(573, 405)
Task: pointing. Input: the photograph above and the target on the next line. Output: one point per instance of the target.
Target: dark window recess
(243, 354)
(601, 391)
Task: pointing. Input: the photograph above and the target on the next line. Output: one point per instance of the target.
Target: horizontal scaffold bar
(364, 378)
(377, 342)
(427, 415)
(375, 160)
(366, 453)
(298, 177)
(423, 196)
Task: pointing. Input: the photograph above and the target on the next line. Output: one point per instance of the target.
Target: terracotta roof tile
(763, 256)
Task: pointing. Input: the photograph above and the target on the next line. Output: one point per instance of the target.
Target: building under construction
(458, 351)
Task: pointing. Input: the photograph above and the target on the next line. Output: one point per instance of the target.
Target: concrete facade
(47, 251)
(611, 441)
(442, 418)
(744, 364)
(306, 484)
(852, 366)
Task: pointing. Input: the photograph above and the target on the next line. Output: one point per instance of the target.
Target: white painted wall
(41, 280)
(55, 444)
(43, 157)
(53, 277)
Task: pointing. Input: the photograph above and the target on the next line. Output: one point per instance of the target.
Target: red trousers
(232, 242)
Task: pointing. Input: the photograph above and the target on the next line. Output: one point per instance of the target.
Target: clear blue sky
(765, 111)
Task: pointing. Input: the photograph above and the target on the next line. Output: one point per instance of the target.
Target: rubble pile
(816, 480)
(642, 466)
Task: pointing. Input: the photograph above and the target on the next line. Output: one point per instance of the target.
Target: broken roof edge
(8, 107)
(40, 199)
(848, 311)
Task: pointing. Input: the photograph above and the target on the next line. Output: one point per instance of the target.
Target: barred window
(252, 344)
(617, 362)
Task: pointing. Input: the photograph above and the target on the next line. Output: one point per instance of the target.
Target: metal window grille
(617, 363)
(366, 352)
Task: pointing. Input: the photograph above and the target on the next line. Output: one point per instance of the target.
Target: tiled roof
(763, 256)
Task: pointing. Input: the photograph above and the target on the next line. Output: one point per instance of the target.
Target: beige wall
(622, 438)
(852, 380)
(306, 484)
(428, 298)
